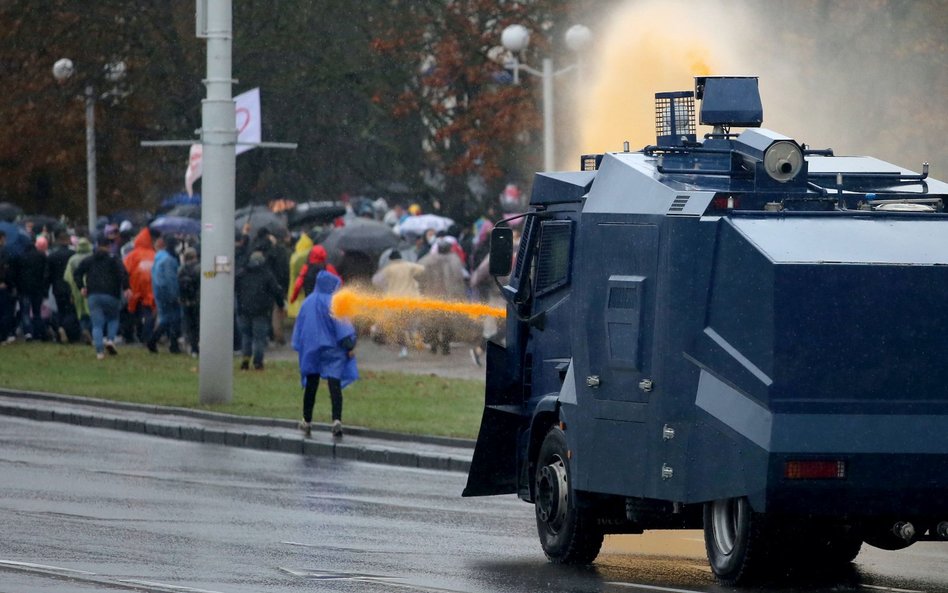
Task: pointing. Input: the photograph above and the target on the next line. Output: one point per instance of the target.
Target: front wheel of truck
(568, 533)
(737, 541)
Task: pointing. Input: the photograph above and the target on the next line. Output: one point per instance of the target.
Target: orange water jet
(350, 303)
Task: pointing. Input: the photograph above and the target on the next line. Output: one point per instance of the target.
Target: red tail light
(814, 470)
(725, 202)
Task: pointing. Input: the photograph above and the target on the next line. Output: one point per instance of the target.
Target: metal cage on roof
(675, 118)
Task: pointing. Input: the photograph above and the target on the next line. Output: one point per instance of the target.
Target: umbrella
(186, 211)
(138, 218)
(40, 221)
(312, 213)
(9, 212)
(178, 199)
(251, 209)
(17, 238)
(362, 235)
(176, 225)
(363, 207)
(261, 218)
(417, 225)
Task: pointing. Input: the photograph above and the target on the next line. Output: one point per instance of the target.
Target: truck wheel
(569, 535)
(736, 541)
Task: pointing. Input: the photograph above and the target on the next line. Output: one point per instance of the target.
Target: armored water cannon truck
(738, 334)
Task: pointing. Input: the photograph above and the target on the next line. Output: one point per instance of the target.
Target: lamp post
(63, 70)
(515, 39)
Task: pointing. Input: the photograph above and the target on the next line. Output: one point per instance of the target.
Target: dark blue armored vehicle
(738, 333)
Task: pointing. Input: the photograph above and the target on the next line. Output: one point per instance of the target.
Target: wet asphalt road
(85, 509)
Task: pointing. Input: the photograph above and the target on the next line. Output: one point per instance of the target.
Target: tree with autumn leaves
(396, 99)
(42, 142)
(399, 99)
(477, 124)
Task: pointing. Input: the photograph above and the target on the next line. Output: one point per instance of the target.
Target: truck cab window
(553, 255)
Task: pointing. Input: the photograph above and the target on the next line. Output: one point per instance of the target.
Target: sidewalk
(359, 444)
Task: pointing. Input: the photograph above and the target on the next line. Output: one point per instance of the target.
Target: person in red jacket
(141, 303)
(307, 276)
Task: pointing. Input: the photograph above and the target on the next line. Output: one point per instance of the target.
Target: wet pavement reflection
(85, 509)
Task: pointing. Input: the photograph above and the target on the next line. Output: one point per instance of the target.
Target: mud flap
(494, 465)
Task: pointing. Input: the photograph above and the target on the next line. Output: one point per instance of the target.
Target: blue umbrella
(9, 212)
(186, 210)
(17, 238)
(179, 199)
(176, 225)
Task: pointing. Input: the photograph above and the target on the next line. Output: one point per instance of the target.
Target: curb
(241, 432)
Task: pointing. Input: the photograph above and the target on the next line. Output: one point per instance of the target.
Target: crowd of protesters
(123, 286)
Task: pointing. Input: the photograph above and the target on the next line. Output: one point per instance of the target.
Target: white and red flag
(247, 109)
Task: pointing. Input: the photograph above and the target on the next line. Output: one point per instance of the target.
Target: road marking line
(389, 581)
(346, 548)
(14, 563)
(878, 588)
(166, 586)
(652, 587)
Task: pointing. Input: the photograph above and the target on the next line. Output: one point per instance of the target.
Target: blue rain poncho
(320, 339)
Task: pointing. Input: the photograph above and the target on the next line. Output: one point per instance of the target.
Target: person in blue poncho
(325, 348)
(164, 284)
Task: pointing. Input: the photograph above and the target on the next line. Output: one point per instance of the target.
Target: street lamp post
(91, 183)
(515, 39)
(63, 70)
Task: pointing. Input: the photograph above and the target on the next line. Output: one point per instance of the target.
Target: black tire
(737, 542)
(569, 535)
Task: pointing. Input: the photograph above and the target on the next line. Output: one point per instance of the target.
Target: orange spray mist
(349, 302)
(642, 48)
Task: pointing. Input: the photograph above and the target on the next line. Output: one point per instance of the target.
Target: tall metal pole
(219, 137)
(549, 150)
(90, 158)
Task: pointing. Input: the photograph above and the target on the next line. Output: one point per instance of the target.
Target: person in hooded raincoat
(306, 279)
(166, 290)
(325, 345)
(141, 303)
(297, 261)
(83, 250)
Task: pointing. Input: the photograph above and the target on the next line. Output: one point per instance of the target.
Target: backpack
(189, 284)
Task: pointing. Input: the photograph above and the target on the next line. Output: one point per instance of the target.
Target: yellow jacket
(300, 253)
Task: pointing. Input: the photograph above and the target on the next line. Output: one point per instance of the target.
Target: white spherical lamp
(515, 38)
(578, 37)
(63, 69)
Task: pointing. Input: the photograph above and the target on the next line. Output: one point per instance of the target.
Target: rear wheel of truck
(568, 534)
(737, 541)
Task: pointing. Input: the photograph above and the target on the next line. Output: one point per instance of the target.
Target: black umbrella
(362, 235)
(9, 212)
(261, 218)
(251, 209)
(314, 213)
(41, 221)
(138, 218)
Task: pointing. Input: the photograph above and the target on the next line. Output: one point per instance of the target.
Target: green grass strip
(412, 404)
